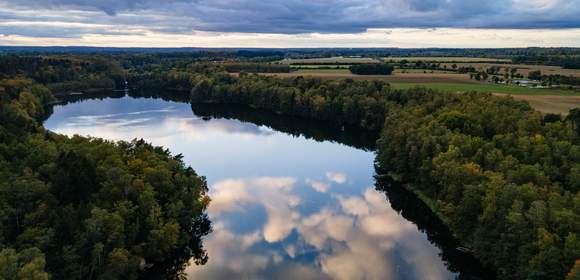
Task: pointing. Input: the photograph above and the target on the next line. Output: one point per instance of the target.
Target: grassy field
(423, 71)
(544, 100)
(523, 69)
(330, 60)
(396, 78)
(319, 66)
(484, 87)
(445, 59)
(550, 104)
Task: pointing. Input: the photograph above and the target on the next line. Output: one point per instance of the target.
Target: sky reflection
(282, 207)
(347, 237)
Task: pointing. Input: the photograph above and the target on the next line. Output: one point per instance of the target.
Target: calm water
(284, 206)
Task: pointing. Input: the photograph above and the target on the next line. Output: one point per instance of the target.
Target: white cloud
(337, 177)
(318, 186)
(296, 23)
(355, 240)
(375, 38)
(273, 193)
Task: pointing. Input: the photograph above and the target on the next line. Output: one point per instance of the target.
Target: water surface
(284, 205)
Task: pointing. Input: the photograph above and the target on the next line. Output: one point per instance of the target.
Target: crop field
(445, 59)
(422, 71)
(523, 69)
(319, 66)
(544, 100)
(486, 87)
(397, 77)
(330, 60)
(479, 63)
(550, 104)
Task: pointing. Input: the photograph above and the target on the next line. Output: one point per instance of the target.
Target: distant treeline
(329, 52)
(256, 68)
(372, 69)
(64, 74)
(565, 61)
(342, 102)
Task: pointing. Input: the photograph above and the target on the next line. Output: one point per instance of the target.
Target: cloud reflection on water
(347, 237)
(123, 126)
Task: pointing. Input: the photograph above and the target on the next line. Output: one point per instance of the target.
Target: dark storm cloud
(305, 16)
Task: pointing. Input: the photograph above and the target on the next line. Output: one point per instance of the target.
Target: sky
(291, 23)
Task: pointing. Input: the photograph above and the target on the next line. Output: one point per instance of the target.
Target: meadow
(444, 59)
(555, 101)
(329, 60)
(523, 69)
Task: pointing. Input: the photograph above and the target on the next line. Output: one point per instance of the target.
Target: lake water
(285, 205)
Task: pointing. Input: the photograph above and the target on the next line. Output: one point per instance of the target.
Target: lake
(291, 199)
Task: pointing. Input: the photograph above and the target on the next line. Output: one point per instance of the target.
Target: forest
(87, 208)
(504, 178)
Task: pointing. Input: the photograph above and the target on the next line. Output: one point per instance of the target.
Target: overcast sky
(291, 23)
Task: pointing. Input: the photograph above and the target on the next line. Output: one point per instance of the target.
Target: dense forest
(64, 73)
(86, 208)
(504, 178)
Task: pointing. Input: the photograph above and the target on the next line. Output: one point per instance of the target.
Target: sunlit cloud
(379, 38)
(273, 193)
(318, 185)
(358, 239)
(337, 177)
(297, 23)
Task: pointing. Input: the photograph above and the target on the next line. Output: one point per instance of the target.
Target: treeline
(554, 79)
(85, 208)
(66, 73)
(341, 101)
(308, 128)
(372, 69)
(565, 61)
(256, 68)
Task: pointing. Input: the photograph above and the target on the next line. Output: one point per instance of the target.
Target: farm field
(397, 77)
(319, 66)
(485, 87)
(550, 104)
(544, 100)
(523, 69)
(330, 60)
(423, 71)
(445, 59)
